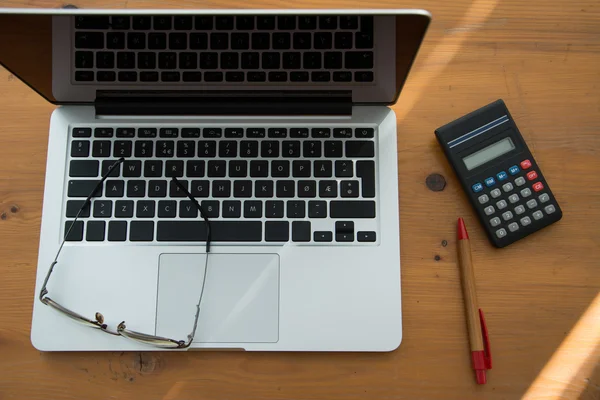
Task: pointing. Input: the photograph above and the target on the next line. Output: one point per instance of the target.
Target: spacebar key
(221, 231)
(351, 209)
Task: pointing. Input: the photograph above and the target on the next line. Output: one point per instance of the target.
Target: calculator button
(501, 176)
(495, 193)
(507, 215)
(489, 210)
(514, 170)
(520, 209)
(483, 199)
(544, 198)
(507, 187)
(513, 198)
(532, 203)
(525, 221)
(538, 186)
(501, 233)
(520, 181)
(495, 221)
(549, 209)
(537, 215)
(501, 204)
(513, 226)
(531, 175)
(489, 182)
(525, 164)
(478, 187)
(526, 192)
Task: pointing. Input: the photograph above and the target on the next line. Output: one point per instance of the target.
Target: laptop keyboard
(256, 184)
(223, 49)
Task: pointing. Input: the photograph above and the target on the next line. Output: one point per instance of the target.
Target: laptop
(229, 173)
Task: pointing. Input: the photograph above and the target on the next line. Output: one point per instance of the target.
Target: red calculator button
(531, 175)
(525, 164)
(538, 186)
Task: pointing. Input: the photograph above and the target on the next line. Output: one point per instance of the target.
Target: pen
(481, 356)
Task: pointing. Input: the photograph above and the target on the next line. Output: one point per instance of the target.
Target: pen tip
(462, 230)
(480, 375)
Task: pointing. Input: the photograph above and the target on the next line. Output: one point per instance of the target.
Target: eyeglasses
(98, 321)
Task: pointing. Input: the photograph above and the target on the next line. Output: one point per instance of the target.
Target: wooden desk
(543, 59)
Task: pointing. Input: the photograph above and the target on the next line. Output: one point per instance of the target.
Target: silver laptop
(217, 179)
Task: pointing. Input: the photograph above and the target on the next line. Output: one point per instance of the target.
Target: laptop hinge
(224, 103)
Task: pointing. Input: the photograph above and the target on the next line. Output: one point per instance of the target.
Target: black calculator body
(499, 174)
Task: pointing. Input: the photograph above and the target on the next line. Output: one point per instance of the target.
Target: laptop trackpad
(240, 301)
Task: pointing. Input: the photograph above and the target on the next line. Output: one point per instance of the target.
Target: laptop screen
(71, 56)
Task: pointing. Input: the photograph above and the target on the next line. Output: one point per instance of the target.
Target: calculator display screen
(488, 153)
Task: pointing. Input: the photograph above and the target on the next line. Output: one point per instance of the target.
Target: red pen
(479, 340)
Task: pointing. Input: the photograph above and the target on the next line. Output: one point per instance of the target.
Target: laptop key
(157, 188)
(125, 60)
(103, 132)
(92, 22)
(167, 209)
(84, 76)
(333, 60)
(200, 188)
(317, 209)
(216, 169)
(301, 169)
(124, 209)
(186, 148)
(153, 168)
(123, 148)
(182, 22)
(136, 188)
(174, 168)
(195, 169)
(312, 148)
(165, 148)
(263, 189)
(282, 41)
(141, 231)
(359, 59)
(280, 169)
(333, 148)
(238, 169)
(167, 60)
(221, 188)
(360, 149)
(256, 76)
(311, 60)
(351, 209)
(366, 236)
(269, 148)
(125, 132)
(259, 169)
(190, 133)
(277, 231)
(296, 209)
(363, 40)
(162, 22)
(234, 76)
(232, 209)
(322, 40)
(157, 41)
(127, 76)
(271, 60)
(82, 188)
(285, 189)
(149, 76)
(207, 148)
(115, 188)
(221, 231)
(84, 168)
(136, 40)
(344, 169)
(302, 41)
(291, 148)
(76, 233)
(301, 231)
(249, 148)
(143, 148)
(89, 40)
(204, 22)
(141, 22)
(84, 59)
(244, 22)
(366, 171)
(343, 40)
(175, 191)
(291, 60)
(187, 209)
(328, 189)
(178, 41)
(101, 148)
(323, 169)
(307, 189)
(73, 207)
(94, 231)
(213, 76)
(117, 231)
(349, 188)
(145, 209)
(261, 41)
(342, 76)
(252, 209)
(219, 41)
(102, 208)
(363, 76)
(132, 168)
(110, 169)
(320, 132)
(277, 76)
(323, 236)
(307, 22)
(228, 148)
(299, 76)
(80, 148)
(274, 209)
(328, 22)
(198, 41)
(82, 132)
(242, 189)
(212, 208)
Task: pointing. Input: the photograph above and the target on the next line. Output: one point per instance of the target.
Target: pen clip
(486, 342)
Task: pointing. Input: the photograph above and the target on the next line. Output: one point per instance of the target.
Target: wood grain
(543, 59)
(469, 289)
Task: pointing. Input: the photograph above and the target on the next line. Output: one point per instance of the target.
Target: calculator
(503, 181)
